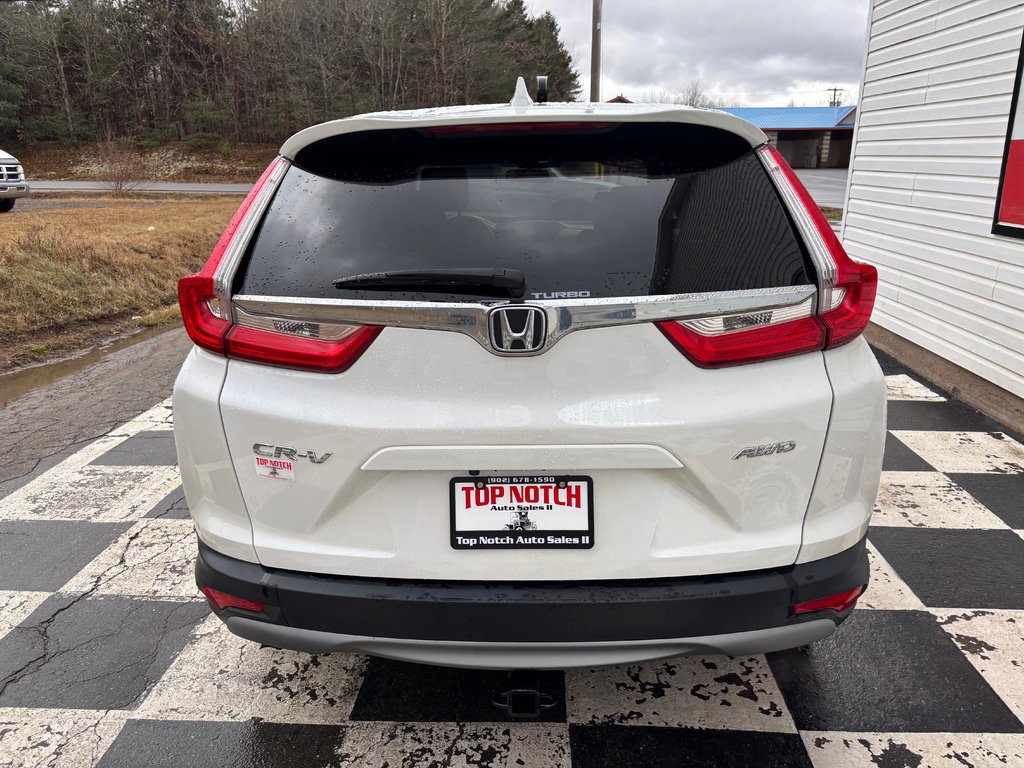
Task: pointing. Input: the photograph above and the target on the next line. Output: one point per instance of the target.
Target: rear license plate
(522, 512)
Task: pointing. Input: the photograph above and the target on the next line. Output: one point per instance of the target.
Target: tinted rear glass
(626, 210)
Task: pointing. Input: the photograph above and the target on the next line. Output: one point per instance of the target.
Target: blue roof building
(808, 137)
(796, 118)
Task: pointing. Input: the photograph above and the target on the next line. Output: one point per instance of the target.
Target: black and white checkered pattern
(108, 657)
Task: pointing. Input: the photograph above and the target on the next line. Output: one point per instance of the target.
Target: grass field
(76, 270)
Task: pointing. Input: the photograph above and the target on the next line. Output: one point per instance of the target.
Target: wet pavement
(48, 412)
(108, 658)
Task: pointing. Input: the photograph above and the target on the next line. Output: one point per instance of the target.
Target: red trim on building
(1011, 206)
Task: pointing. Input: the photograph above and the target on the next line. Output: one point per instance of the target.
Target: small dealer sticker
(522, 512)
(275, 469)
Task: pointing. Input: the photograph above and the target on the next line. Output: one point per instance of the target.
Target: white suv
(530, 385)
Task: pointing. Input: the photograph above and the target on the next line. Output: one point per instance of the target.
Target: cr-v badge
(277, 452)
(755, 451)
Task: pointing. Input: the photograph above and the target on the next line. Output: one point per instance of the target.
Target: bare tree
(660, 97)
(694, 95)
(120, 166)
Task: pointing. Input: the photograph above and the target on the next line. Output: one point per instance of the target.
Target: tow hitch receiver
(523, 700)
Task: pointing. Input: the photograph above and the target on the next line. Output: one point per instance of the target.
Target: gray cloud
(747, 52)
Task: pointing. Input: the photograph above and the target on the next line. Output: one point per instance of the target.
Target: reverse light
(839, 603)
(322, 347)
(221, 600)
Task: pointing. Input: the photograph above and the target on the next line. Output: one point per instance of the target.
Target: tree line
(258, 70)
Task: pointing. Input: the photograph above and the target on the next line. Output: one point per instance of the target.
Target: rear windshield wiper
(509, 283)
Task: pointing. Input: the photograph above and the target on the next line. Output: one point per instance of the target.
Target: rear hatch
(654, 404)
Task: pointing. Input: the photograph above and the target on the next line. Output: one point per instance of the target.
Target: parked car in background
(12, 181)
(530, 385)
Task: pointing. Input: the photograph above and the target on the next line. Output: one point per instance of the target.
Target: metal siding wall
(929, 144)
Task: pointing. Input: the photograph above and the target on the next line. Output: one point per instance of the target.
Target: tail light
(324, 347)
(841, 312)
(733, 339)
(848, 287)
(206, 313)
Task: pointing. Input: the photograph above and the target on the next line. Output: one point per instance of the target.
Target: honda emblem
(517, 329)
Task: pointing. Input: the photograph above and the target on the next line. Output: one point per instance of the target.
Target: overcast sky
(745, 52)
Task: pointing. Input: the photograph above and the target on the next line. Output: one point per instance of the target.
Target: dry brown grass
(66, 270)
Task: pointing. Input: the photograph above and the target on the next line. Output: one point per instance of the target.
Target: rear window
(603, 211)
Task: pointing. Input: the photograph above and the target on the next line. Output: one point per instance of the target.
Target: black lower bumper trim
(534, 612)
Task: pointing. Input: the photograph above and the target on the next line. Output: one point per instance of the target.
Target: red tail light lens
(272, 341)
(773, 341)
(291, 351)
(851, 309)
(847, 309)
(201, 313)
(221, 600)
(841, 602)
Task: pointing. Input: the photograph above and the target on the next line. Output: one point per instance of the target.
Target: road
(146, 186)
(108, 658)
(827, 186)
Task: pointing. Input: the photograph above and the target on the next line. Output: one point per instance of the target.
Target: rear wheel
(6, 205)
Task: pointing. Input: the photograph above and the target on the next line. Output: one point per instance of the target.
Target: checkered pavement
(108, 657)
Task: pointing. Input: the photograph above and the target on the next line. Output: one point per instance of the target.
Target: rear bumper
(532, 655)
(535, 625)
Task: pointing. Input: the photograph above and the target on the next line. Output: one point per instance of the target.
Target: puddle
(16, 383)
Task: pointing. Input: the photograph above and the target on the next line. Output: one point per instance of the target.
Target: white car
(12, 181)
(530, 386)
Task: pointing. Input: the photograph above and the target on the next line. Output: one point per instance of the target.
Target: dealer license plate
(522, 512)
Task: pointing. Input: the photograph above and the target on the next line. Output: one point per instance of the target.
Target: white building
(927, 202)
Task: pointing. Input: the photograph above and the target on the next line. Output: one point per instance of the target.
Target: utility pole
(595, 54)
(835, 91)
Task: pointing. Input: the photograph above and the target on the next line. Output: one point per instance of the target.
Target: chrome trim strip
(820, 255)
(564, 316)
(225, 273)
